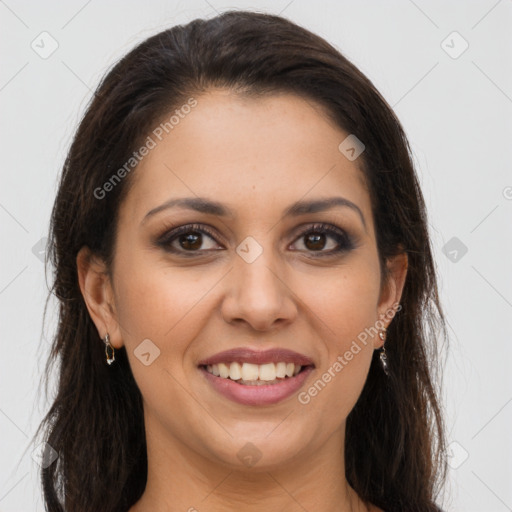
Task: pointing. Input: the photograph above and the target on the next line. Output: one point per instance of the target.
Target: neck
(180, 479)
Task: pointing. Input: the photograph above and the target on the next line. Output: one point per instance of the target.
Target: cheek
(338, 383)
(151, 298)
(168, 306)
(346, 305)
(344, 299)
(164, 307)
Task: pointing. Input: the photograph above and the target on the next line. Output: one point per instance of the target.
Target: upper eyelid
(298, 231)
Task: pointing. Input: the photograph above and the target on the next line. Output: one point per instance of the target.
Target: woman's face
(266, 266)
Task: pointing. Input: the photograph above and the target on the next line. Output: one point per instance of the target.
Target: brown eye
(189, 239)
(315, 241)
(326, 240)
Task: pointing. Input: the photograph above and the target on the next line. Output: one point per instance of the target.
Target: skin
(257, 156)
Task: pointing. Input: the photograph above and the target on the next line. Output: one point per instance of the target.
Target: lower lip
(257, 395)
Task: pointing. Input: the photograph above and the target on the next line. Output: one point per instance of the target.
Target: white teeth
(250, 371)
(281, 370)
(235, 371)
(223, 370)
(246, 372)
(268, 371)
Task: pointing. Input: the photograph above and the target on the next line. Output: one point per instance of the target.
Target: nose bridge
(257, 291)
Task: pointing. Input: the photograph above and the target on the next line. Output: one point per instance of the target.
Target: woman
(248, 300)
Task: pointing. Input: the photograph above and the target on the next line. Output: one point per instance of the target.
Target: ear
(98, 295)
(391, 291)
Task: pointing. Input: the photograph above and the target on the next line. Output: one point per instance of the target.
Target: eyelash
(344, 241)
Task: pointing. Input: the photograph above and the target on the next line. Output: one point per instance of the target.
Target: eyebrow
(203, 205)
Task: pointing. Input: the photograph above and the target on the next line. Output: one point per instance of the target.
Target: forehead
(256, 154)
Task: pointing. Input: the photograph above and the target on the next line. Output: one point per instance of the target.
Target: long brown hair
(395, 445)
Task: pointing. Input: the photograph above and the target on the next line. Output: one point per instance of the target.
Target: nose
(258, 294)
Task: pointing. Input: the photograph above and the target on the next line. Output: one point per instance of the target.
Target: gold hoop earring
(112, 357)
(383, 355)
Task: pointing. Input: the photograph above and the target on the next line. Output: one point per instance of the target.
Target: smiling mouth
(249, 374)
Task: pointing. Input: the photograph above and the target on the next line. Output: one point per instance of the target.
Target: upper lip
(248, 355)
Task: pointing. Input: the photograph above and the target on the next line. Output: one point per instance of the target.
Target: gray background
(456, 109)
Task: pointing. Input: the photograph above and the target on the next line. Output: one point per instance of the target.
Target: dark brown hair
(395, 446)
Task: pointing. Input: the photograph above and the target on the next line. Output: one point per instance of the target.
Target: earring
(110, 359)
(383, 355)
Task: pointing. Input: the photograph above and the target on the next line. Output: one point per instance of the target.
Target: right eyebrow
(208, 206)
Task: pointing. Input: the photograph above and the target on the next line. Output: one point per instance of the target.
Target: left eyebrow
(320, 205)
(203, 205)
